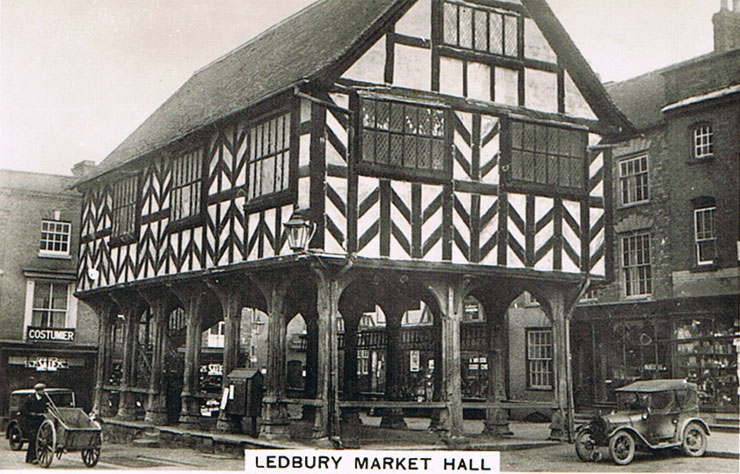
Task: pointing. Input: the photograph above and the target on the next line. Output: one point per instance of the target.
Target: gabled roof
(643, 97)
(323, 36)
(295, 51)
(580, 71)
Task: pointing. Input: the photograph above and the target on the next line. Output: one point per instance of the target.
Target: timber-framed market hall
(359, 154)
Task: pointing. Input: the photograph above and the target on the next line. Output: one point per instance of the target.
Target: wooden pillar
(563, 414)
(103, 308)
(131, 307)
(349, 382)
(274, 410)
(450, 296)
(230, 292)
(191, 295)
(497, 423)
(312, 362)
(329, 289)
(156, 407)
(393, 417)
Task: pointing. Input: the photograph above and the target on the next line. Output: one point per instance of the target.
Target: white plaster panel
(412, 67)
(371, 65)
(541, 90)
(451, 76)
(575, 104)
(479, 81)
(506, 86)
(535, 44)
(417, 21)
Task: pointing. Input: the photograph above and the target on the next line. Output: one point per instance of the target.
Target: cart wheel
(15, 438)
(91, 456)
(622, 448)
(585, 446)
(46, 442)
(694, 440)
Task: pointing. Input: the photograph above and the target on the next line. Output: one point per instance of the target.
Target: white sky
(78, 76)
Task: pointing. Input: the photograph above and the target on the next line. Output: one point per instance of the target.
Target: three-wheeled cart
(66, 430)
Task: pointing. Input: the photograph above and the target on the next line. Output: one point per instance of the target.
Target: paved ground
(116, 456)
(546, 457)
(562, 458)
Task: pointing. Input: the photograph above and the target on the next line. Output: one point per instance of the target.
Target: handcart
(66, 430)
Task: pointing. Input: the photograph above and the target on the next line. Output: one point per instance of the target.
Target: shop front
(23, 364)
(691, 338)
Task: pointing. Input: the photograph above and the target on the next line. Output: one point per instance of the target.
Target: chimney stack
(727, 26)
(82, 168)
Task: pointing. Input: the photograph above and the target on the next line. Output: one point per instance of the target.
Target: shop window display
(706, 356)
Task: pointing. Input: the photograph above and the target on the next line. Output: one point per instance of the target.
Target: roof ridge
(668, 67)
(258, 36)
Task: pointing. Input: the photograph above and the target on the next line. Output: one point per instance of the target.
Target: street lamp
(300, 231)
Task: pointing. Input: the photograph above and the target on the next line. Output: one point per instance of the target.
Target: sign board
(414, 361)
(47, 364)
(34, 333)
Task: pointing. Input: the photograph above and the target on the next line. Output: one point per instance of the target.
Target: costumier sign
(50, 334)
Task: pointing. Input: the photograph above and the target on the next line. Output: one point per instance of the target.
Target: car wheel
(694, 440)
(585, 446)
(15, 438)
(622, 448)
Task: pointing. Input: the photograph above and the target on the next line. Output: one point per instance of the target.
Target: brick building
(672, 310)
(46, 334)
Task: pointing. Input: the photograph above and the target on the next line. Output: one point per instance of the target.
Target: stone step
(148, 438)
(146, 442)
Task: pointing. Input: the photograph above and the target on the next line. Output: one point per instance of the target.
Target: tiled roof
(303, 48)
(298, 49)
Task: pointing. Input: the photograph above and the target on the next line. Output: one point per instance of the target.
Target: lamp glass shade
(299, 232)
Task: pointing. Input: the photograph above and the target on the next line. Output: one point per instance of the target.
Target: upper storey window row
(399, 135)
(124, 212)
(269, 157)
(548, 155)
(187, 171)
(479, 29)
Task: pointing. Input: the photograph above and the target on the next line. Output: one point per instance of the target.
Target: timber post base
(228, 424)
(393, 418)
(558, 427)
(190, 413)
(274, 425)
(496, 425)
(156, 410)
(126, 406)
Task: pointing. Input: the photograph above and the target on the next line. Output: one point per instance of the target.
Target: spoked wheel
(46, 442)
(586, 447)
(622, 448)
(15, 438)
(91, 456)
(694, 440)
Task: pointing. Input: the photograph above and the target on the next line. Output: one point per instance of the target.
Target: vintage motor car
(651, 415)
(62, 397)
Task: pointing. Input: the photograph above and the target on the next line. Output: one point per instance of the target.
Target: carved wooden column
(160, 305)
(131, 307)
(497, 423)
(329, 289)
(230, 293)
(349, 382)
(312, 361)
(559, 426)
(274, 410)
(450, 297)
(393, 417)
(103, 308)
(191, 295)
